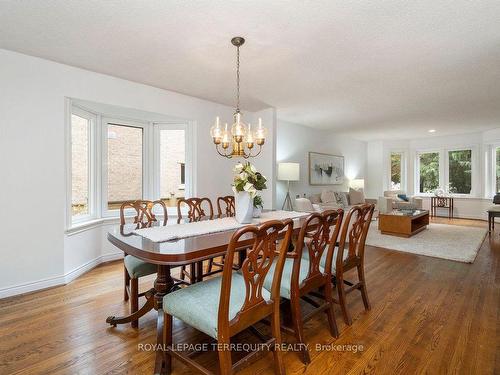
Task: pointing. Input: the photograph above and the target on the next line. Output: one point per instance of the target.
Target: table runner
(198, 228)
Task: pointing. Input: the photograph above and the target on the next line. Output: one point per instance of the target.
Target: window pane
(172, 165)
(497, 169)
(429, 172)
(80, 131)
(460, 165)
(124, 164)
(396, 170)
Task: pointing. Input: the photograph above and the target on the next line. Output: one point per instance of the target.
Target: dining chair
(225, 208)
(353, 236)
(198, 209)
(223, 306)
(308, 269)
(135, 268)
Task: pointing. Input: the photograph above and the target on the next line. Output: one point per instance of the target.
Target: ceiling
(372, 68)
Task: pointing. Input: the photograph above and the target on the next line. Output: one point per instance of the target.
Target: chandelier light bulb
(216, 132)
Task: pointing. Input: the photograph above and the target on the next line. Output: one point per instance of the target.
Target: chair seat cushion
(138, 268)
(198, 304)
(286, 278)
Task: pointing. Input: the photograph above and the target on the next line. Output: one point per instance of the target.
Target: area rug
(452, 242)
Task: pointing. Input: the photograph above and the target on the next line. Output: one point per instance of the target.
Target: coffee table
(403, 225)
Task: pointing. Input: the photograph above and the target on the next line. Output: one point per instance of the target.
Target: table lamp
(288, 172)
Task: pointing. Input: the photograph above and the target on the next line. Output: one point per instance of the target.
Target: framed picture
(325, 169)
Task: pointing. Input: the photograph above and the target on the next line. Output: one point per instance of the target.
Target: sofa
(332, 200)
(397, 199)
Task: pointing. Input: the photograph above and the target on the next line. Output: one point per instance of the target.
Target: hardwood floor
(428, 316)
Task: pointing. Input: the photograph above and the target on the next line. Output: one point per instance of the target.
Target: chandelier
(240, 136)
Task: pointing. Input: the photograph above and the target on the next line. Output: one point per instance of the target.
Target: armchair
(390, 199)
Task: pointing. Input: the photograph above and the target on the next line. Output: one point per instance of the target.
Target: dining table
(170, 254)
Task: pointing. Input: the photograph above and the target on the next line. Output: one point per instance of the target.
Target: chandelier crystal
(240, 139)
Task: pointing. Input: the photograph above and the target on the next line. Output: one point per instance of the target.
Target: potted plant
(247, 181)
(257, 206)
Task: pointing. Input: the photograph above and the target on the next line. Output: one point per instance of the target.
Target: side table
(442, 202)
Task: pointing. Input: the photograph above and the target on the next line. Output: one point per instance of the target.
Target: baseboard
(58, 280)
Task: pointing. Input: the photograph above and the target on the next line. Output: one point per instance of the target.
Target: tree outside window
(429, 171)
(396, 158)
(459, 171)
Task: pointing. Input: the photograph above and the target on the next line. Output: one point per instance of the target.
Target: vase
(244, 207)
(257, 211)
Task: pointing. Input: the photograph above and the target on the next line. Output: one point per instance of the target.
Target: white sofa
(391, 201)
(330, 200)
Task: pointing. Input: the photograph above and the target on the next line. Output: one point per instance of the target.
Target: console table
(442, 202)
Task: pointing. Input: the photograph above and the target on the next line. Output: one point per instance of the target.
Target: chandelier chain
(238, 79)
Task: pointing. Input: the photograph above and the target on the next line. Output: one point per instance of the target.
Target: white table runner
(198, 228)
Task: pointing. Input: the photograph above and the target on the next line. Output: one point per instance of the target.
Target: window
(497, 169)
(460, 171)
(428, 171)
(81, 190)
(124, 164)
(396, 170)
(172, 163)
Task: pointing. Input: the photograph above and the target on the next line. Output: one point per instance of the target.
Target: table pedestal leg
(154, 297)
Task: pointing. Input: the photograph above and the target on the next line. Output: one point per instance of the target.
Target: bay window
(112, 160)
(460, 171)
(397, 171)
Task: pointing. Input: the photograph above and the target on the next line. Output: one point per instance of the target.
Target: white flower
(238, 168)
(243, 175)
(253, 169)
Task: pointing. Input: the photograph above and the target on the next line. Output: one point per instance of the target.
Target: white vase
(244, 207)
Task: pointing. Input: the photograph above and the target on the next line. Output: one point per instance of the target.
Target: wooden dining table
(169, 254)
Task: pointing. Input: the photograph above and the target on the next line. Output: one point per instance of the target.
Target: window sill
(455, 197)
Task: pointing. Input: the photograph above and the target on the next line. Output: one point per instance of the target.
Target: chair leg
(279, 365)
(126, 284)
(330, 313)
(225, 362)
(298, 327)
(210, 264)
(364, 293)
(192, 273)
(167, 340)
(342, 301)
(134, 299)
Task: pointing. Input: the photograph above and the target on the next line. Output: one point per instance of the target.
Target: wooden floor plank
(429, 316)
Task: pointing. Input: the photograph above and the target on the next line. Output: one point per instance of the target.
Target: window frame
(92, 157)
(105, 212)
(98, 162)
(474, 168)
(417, 170)
(491, 169)
(188, 158)
(404, 169)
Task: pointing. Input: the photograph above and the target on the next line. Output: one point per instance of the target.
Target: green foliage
(258, 202)
(460, 166)
(395, 168)
(429, 172)
(248, 179)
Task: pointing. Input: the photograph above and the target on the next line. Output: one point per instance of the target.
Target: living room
(186, 184)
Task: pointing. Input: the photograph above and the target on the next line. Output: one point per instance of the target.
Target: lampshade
(289, 171)
(357, 183)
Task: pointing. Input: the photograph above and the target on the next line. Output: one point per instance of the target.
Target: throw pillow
(356, 196)
(315, 198)
(327, 196)
(341, 199)
(403, 197)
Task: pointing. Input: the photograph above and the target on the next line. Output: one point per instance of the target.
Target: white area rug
(444, 241)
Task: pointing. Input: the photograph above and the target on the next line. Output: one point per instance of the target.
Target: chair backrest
(354, 232)
(319, 233)
(226, 206)
(145, 216)
(263, 248)
(198, 209)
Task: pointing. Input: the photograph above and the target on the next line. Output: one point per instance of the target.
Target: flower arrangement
(248, 179)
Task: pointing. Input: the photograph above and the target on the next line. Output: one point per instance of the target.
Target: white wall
(293, 144)
(474, 207)
(32, 157)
